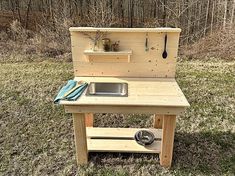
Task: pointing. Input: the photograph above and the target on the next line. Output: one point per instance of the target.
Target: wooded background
(197, 18)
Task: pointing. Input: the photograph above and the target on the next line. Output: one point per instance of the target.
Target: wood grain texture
(93, 29)
(110, 57)
(114, 145)
(119, 133)
(142, 63)
(123, 109)
(157, 121)
(89, 119)
(141, 92)
(80, 138)
(168, 132)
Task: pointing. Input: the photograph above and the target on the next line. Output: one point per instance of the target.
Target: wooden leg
(89, 119)
(80, 138)
(157, 121)
(168, 132)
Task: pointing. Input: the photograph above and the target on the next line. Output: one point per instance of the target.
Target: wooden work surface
(163, 92)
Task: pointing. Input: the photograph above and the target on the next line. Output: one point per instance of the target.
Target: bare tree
(225, 13)
(206, 18)
(100, 15)
(195, 17)
(212, 15)
(27, 14)
(232, 14)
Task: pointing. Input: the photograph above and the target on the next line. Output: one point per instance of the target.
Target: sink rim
(110, 94)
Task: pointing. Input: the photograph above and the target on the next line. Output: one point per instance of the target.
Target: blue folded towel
(71, 91)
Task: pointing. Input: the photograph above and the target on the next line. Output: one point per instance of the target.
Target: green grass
(37, 137)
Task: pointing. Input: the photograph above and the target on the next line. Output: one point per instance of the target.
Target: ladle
(164, 54)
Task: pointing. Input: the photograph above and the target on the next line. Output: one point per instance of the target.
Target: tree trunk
(199, 14)
(232, 15)
(27, 14)
(225, 13)
(212, 15)
(207, 10)
(164, 13)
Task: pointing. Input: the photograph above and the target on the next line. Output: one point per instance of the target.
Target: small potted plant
(115, 46)
(106, 44)
(97, 43)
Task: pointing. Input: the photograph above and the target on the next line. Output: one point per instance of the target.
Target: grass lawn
(36, 136)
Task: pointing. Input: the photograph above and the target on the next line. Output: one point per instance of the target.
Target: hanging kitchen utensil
(146, 43)
(164, 54)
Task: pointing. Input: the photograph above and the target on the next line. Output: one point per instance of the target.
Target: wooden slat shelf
(120, 140)
(113, 145)
(119, 132)
(112, 54)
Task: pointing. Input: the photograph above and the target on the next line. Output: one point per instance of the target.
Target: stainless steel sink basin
(107, 89)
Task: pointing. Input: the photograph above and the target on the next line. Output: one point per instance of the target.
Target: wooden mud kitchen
(128, 70)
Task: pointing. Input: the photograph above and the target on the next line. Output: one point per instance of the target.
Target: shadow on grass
(205, 153)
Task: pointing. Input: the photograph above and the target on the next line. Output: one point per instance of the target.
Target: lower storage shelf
(120, 140)
(112, 145)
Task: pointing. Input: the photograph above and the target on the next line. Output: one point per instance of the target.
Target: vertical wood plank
(168, 132)
(157, 121)
(89, 119)
(140, 63)
(80, 138)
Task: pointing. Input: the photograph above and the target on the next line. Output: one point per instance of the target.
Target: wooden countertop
(141, 92)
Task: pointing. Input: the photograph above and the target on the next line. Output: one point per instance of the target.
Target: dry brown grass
(47, 42)
(53, 40)
(220, 44)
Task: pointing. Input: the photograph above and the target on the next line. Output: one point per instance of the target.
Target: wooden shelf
(125, 146)
(126, 54)
(120, 140)
(91, 52)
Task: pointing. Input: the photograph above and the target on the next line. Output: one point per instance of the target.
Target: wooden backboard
(142, 63)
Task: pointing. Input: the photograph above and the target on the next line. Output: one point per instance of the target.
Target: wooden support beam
(123, 109)
(168, 132)
(80, 138)
(89, 119)
(157, 121)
